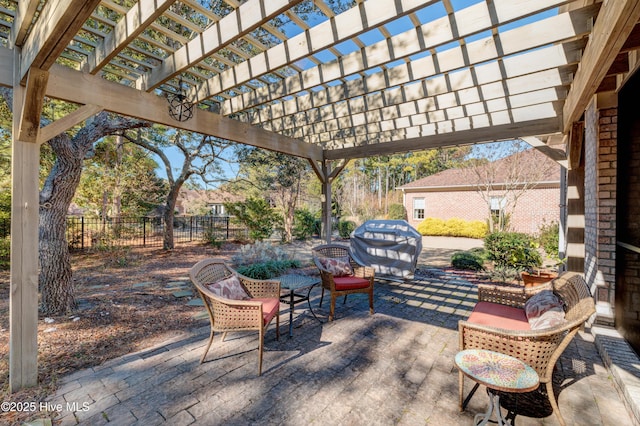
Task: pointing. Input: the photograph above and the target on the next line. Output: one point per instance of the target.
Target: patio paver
(394, 367)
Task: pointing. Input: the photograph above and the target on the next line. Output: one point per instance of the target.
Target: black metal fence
(87, 232)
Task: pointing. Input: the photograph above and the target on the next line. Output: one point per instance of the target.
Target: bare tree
(201, 157)
(504, 174)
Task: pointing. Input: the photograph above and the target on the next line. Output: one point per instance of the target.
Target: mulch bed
(117, 314)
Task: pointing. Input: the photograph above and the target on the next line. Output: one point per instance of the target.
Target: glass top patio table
(498, 372)
(293, 283)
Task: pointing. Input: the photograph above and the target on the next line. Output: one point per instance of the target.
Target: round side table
(498, 372)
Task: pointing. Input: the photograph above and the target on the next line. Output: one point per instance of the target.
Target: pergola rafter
(426, 37)
(322, 36)
(463, 89)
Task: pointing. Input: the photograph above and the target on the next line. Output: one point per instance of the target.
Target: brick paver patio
(395, 367)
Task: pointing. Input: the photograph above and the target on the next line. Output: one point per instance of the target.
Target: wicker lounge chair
(539, 349)
(254, 313)
(359, 278)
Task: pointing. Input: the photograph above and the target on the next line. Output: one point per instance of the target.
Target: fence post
(144, 231)
(82, 232)
(190, 228)
(227, 218)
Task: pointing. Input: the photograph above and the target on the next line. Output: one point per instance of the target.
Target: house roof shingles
(467, 177)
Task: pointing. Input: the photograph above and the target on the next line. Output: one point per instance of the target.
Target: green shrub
(269, 269)
(397, 212)
(549, 239)
(453, 227)
(211, 237)
(472, 260)
(256, 215)
(512, 250)
(345, 228)
(317, 227)
(304, 223)
(5, 252)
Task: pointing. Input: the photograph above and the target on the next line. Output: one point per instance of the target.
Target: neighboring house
(454, 193)
(192, 202)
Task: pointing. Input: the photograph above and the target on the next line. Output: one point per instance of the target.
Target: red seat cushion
(350, 283)
(500, 316)
(270, 307)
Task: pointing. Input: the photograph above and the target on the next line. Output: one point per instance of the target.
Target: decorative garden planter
(531, 279)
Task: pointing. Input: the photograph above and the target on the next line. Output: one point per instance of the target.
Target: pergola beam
(515, 115)
(458, 138)
(58, 23)
(615, 23)
(83, 88)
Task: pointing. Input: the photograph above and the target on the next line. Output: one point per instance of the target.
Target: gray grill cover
(391, 247)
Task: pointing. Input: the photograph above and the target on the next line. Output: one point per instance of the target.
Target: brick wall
(532, 209)
(607, 171)
(600, 206)
(591, 195)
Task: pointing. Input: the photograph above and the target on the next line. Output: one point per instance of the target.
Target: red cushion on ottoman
(500, 316)
(270, 306)
(350, 283)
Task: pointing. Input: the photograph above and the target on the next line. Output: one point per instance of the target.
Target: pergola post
(326, 201)
(575, 200)
(23, 299)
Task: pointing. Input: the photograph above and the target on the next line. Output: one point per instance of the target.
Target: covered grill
(391, 247)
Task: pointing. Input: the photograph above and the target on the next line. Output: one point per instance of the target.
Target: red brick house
(455, 193)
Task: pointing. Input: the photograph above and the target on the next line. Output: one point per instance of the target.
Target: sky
(398, 26)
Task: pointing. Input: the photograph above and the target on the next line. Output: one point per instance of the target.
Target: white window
(418, 208)
(497, 208)
(217, 209)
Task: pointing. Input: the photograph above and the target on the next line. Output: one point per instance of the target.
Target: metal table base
(293, 283)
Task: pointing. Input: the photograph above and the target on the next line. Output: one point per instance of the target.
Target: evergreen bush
(471, 260)
(267, 270)
(549, 239)
(5, 252)
(304, 223)
(512, 250)
(256, 215)
(345, 228)
(397, 212)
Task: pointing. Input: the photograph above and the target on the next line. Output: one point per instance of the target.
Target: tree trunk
(55, 279)
(168, 216)
(117, 189)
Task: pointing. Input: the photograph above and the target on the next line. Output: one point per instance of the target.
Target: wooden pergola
(381, 77)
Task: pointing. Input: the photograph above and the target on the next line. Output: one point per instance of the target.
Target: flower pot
(531, 279)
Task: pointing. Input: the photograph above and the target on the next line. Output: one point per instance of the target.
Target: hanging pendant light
(180, 108)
